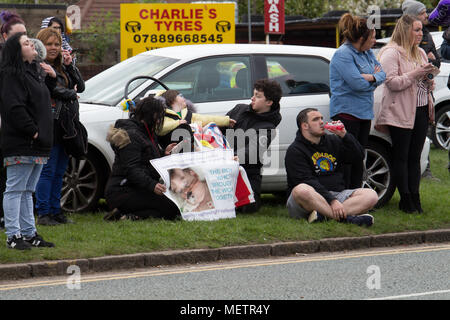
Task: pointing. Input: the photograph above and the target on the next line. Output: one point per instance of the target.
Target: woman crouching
(133, 189)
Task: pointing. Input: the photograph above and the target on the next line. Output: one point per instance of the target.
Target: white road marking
(412, 295)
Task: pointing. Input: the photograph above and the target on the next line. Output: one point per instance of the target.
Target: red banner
(274, 16)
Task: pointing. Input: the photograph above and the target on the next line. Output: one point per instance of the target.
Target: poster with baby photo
(201, 184)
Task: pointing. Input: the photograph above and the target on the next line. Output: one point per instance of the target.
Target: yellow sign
(145, 27)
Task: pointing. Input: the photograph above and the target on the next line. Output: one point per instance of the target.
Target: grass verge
(91, 237)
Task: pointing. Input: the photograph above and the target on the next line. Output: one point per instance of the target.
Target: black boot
(416, 201)
(113, 215)
(406, 204)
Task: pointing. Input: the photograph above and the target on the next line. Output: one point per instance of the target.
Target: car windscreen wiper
(95, 102)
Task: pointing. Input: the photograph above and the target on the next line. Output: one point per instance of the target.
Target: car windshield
(108, 86)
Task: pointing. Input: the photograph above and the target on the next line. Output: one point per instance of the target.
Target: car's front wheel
(83, 184)
(378, 172)
(441, 132)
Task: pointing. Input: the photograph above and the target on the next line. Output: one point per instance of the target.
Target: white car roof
(206, 50)
(437, 39)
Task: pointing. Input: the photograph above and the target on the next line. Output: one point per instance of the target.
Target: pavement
(182, 257)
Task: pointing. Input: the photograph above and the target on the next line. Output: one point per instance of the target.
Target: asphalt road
(414, 272)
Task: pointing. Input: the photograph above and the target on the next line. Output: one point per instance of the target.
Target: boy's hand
(182, 121)
(339, 131)
(338, 210)
(232, 123)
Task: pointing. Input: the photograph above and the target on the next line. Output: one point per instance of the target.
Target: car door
(213, 84)
(305, 84)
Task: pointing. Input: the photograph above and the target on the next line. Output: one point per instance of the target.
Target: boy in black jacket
(257, 122)
(314, 166)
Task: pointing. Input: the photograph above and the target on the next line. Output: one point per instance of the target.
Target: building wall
(34, 14)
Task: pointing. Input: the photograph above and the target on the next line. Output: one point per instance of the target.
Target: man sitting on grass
(314, 165)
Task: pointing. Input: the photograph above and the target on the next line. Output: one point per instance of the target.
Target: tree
(317, 8)
(100, 35)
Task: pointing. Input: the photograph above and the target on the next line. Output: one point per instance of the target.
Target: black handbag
(77, 145)
(75, 136)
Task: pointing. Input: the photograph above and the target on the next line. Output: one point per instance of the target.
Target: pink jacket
(399, 91)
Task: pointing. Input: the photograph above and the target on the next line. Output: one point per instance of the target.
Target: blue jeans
(18, 199)
(48, 189)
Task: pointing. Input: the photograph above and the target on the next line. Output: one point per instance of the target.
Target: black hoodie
(247, 119)
(321, 165)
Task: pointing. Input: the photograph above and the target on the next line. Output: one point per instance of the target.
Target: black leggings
(143, 204)
(407, 145)
(353, 172)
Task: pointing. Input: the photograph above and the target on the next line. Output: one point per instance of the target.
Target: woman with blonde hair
(355, 73)
(406, 107)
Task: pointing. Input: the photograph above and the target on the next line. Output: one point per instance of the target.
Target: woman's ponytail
(353, 28)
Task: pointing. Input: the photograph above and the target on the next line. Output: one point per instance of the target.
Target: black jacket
(445, 46)
(65, 101)
(427, 44)
(133, 150)
(321, 165)
(247, 119)
(25, 110)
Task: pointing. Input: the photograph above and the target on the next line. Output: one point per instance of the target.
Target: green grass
(91, 237)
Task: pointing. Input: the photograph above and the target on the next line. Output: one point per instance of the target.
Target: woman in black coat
(64, 106)
(134, 189)
(12, 24)
(27, 136)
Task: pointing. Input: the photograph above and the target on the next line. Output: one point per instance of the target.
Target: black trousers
(407, 145)
(143, 204)
(353, 172)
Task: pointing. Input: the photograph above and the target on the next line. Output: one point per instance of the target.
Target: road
(413, 272)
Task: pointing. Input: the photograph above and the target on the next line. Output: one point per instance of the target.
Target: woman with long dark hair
(58, 25)
(134, 189)
(27, 136)
(11, 23)
(407, 106)
(64, 106)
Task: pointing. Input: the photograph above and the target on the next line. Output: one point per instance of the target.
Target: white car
(215, 78)
(441, 133)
